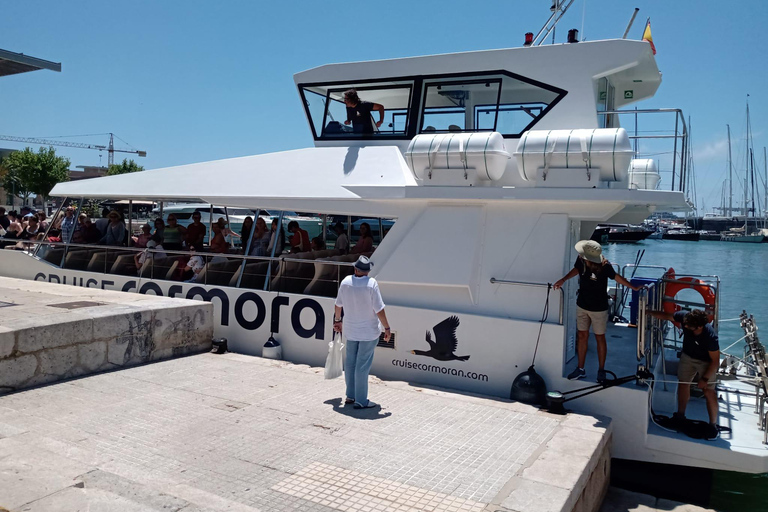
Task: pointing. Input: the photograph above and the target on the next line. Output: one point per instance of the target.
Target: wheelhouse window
(492, 102)
(330, 117)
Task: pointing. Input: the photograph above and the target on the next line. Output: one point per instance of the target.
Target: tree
(124, 168)
(27, 172)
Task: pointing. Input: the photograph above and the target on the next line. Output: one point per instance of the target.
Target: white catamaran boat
(488, 168)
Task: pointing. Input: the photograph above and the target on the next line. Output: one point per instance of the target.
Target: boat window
(328, 113)
(495, 102)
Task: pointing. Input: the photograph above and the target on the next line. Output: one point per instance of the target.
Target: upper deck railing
(670, 147)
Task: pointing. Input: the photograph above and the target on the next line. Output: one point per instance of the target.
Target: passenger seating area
(315, 276)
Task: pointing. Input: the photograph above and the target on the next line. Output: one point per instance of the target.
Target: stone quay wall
(41, 342)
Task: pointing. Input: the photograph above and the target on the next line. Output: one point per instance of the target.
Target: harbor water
(741, 267)
(742, 271)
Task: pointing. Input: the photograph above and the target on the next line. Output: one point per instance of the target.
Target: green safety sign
(628, 95)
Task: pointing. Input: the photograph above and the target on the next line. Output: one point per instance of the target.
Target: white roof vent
(460, 159)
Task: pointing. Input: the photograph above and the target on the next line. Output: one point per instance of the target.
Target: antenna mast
(559, 8)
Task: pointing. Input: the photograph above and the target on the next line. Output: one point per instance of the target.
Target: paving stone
(243, 433)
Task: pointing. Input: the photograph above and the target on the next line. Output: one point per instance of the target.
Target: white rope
(730, 319)
(732, 344)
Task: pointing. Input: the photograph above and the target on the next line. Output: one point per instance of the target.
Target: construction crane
(110, 148)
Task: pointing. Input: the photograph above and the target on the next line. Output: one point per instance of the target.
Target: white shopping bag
(333, 364)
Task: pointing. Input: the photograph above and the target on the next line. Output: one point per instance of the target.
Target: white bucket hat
(590, 251)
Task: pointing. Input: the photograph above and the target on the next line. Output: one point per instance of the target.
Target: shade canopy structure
(14, 63)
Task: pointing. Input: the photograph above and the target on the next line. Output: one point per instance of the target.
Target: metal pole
(248, 247)
(74, 226)
(229, 227)
(130, 222)
(274, 246)
(210, 225)
(765, 189)
(48, 229)
(674, 153)
(730, 174)
(631, 21)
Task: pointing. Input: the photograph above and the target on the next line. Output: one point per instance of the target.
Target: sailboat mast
(730, 175)
(746, 173)
(765, 188)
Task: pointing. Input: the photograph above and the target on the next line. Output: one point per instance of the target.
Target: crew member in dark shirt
(359, 113)
(592, 302)
(698, 362)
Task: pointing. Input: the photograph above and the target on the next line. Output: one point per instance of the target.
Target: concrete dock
(51, 332)
(238, 433)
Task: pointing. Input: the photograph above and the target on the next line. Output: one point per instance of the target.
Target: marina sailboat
(742, 234)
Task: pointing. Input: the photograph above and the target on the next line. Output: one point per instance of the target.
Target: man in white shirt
(360, 299)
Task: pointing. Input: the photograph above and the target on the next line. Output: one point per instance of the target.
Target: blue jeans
(356, 369)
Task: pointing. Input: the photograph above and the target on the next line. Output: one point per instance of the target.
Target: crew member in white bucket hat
(592, 302)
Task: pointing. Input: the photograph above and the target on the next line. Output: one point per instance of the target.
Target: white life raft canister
(604, 151)
(644, 174)
(482, 153)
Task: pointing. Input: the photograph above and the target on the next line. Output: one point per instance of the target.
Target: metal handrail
(175, 253)
(535, 285)
(642, 305)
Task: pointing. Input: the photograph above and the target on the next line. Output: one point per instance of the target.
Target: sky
(190, 81)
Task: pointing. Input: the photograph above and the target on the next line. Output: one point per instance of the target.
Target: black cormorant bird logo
(445, 343)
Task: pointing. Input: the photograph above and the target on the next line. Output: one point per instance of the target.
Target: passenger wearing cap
(592, 302)
(360, 301)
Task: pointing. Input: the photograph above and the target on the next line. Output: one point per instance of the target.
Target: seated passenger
(41, 221)
(116, 232)
(245, 230)
(141, 240)
(153, 251)
(28, 233)
(359, 113)
(173, 234)
(103, 222)
(318, 244)
(14, 228)
(91, 234)
(342, 242)
(276, 235)
(260, 242)
(159, 228)
(78, 237)
(195, 233)
(365, 242)
(221, 232)
(300, 239)
(194, 265)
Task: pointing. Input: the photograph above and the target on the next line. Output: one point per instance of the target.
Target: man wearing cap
(592, 302)
(360, 300)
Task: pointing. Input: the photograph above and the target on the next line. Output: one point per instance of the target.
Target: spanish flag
(647, 35)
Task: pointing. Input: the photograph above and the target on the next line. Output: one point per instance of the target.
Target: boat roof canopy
(313, 173)
(14, 63)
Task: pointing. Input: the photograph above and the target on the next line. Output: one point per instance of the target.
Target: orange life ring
(683, 283)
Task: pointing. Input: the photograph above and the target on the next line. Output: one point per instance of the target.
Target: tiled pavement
(233, 432)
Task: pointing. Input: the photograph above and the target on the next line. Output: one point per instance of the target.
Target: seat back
(325, 281)
(124, 265)
(77, 259)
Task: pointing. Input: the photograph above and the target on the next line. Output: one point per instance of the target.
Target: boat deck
(740, 448)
